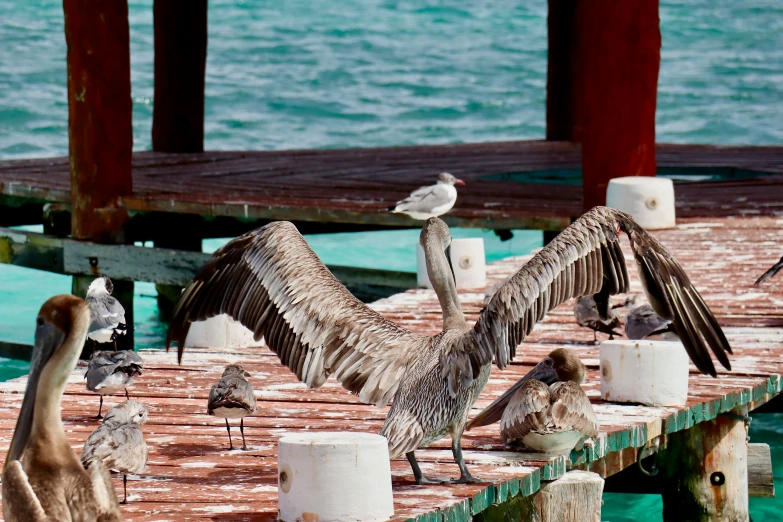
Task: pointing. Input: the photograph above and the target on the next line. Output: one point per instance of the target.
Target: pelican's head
(560, 365)
(436, 237)
(129, 412)
(102, 285)
(448, 179)
(235, 369)
(61, 328)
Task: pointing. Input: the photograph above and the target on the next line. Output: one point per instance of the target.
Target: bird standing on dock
(272, 282)
(431, 201)
(599, 319)
(51, 483)
(643, 323)
(769, 273)
(119, 443)
(546, 410)
(112, 372)
(232, 397)
(107, 316)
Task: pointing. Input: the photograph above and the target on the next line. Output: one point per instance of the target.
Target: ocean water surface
(317, 74)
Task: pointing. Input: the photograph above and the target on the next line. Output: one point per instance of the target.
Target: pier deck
(192, 475)
(355, 186)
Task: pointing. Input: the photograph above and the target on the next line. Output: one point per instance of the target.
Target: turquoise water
(303, 74)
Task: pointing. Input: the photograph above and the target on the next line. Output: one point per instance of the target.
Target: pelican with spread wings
(272, 282)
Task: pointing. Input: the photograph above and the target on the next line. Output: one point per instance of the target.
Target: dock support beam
(100, 129)
(602, 84)
(705, 472)
(576, 497)
(180, 61)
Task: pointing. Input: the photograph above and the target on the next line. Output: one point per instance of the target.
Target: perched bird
(107, 316)
(112, 372)
(589, 315)
(272, 282)
(769, 273)
(643, 323)
(51, 483)
(232, 397)
(546, 410)
(431, 201)
(119, 443)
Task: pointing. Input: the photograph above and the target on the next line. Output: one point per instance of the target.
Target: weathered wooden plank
(760, 479)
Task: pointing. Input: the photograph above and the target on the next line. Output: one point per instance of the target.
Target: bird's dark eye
(548, 361)
(39, 321)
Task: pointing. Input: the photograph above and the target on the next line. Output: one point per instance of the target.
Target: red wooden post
(180, 61)
(100, 130)
(603, 92)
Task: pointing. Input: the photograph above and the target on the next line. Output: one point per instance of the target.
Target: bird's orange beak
(459, 182)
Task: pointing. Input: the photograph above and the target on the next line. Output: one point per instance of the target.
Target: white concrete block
(324, 477)
(467, 259)
(654, 373)
(219, 332)
(650, 200)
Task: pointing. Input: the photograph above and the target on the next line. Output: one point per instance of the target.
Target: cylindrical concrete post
(649, 200)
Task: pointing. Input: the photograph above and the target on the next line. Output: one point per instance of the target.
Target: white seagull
(431, 201)
(107, 316)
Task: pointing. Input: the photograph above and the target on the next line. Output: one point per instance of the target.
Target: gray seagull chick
(112, 372)
(119, 442)
(232, 397)
(588, 315)
(643, 323)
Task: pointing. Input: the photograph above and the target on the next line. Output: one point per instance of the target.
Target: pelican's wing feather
(586, 259)
(20, 502)
(271, 281)
(107, 503)
(527, 411)
(769, 273)
(571, 409)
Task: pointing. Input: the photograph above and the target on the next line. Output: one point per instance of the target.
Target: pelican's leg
(230, 444)
(418, 475)
(125, 488)
(464, 474)
(100, 408)
(242, 431)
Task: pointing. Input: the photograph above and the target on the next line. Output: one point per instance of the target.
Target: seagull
(112, 372)
(769, 273)
(643, 323)
(119, 443)
(232, 397)
(51, 484)
(431, 201)
(589, 315)
(272, 282)
(107, 316)
(546, 410)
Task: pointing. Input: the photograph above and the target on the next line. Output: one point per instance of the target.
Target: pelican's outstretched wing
(586, 259)
(769, 273)
(20, 503)
(272, 282)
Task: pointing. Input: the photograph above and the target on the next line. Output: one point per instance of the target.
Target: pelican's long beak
(459, 182)
(47, 339)
(494, 412)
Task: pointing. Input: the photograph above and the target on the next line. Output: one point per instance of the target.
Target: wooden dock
(351, 189)
(192, 475)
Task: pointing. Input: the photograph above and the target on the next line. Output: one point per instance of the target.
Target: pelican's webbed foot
(419, 476)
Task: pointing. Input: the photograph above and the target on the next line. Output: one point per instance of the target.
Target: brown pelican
(272, 282)
(51, 483)
(232, 397)
(769, 273)
(643, 323)
(119, 442)
(598, 318)
(546, 410)
(431, 201)
(112, 372)
(107, 316)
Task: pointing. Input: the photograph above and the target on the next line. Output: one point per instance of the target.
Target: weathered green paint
(459, 512)
(554, 469)
(483, 499)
